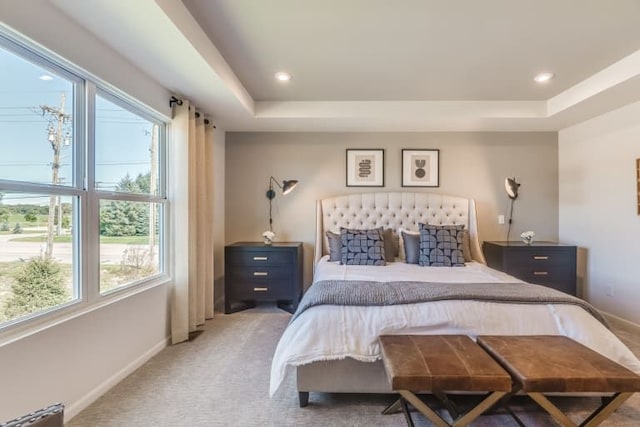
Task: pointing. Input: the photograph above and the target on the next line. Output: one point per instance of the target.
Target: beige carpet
(221, 378)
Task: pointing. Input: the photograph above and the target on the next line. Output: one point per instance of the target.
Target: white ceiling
(380, 65)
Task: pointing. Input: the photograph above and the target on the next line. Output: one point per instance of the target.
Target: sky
(122, 138)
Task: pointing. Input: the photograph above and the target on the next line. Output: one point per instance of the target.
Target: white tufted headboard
(394, 210)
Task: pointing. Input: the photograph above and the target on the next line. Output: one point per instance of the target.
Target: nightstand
(543, 263)
(258, 272)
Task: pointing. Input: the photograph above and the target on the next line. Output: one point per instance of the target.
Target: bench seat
(557, 364)
(439, 364)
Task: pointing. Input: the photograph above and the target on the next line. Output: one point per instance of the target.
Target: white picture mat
(430, 169)
(354, 178)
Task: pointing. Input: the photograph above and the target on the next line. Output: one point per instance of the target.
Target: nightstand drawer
(542, 275)
(260, 290)
(261, 273)
(540, 258)
(253, 258)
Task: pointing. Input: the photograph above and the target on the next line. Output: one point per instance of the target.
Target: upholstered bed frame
(394, 210)
(369, 210)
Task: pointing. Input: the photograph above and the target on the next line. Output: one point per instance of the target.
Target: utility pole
(57, 120)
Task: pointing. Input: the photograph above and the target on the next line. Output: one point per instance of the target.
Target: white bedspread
(331, 332)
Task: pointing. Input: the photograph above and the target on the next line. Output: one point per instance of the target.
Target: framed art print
(365, 168)
(420, 168)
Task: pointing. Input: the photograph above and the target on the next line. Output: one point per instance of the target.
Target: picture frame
(365, 167)
(421, 168)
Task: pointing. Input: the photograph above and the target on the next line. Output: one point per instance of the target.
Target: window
(126, 182)
(82, 193)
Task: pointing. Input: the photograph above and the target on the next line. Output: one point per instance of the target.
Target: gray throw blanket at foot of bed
(363, 293)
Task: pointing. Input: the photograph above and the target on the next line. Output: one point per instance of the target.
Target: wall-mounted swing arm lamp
(286, 187)
(512, 187)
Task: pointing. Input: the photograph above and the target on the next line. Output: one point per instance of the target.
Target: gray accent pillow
(335, 246)
(466, 246)
(411, 247)
(391, 244)
(441, 245)
(362, 247)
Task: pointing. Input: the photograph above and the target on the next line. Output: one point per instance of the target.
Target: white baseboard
(621, 320)
(75, 408)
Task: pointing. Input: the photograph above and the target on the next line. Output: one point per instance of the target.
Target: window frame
(86, 219)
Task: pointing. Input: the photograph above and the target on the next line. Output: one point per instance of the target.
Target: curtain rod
(178, 101)
(174, 100)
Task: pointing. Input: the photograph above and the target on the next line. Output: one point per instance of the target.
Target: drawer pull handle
(260, 273)
(260, 289)
(540, 273)
(260, 258)
(540, 257)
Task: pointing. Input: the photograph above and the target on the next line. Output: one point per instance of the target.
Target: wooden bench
(440, 364)
(557, 364)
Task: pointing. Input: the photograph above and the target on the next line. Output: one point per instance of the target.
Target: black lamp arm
(272, 179)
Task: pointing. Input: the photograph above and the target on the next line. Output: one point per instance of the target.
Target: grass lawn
(27, 231)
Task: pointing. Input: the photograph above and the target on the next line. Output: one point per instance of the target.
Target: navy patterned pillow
(362, 247)
(441, 245)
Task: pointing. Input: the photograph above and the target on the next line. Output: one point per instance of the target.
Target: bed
(331, 342)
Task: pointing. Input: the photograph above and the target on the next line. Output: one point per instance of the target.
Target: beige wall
(471, 165)
(598, 207)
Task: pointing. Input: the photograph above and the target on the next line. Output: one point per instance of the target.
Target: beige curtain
(191, 198)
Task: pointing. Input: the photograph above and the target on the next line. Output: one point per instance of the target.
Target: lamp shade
(511, 186)
(287, 186)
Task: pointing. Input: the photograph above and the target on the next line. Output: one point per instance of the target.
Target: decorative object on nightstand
(528, 236)
(544, 263)
(258, 272)
(286, 188)
(512, 187)
(268, 236)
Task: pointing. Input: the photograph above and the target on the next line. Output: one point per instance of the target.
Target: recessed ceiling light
(282, 76)
(543, 77)
(46, 77)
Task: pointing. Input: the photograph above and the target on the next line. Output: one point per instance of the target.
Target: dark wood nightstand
(258, 272)
(543, 263)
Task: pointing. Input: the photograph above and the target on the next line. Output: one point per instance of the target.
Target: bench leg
(593, 420)
(605, 410)
(478, 410)
(552, 409)
(423, 408)
(436, 419)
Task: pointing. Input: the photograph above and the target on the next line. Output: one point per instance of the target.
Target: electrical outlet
(609, 290)
(500, 219)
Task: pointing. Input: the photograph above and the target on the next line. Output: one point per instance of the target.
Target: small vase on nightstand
(527, 237)
(268, 236)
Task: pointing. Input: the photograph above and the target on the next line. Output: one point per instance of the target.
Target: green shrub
(38, 285)
(4, 226)
(31, 216)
